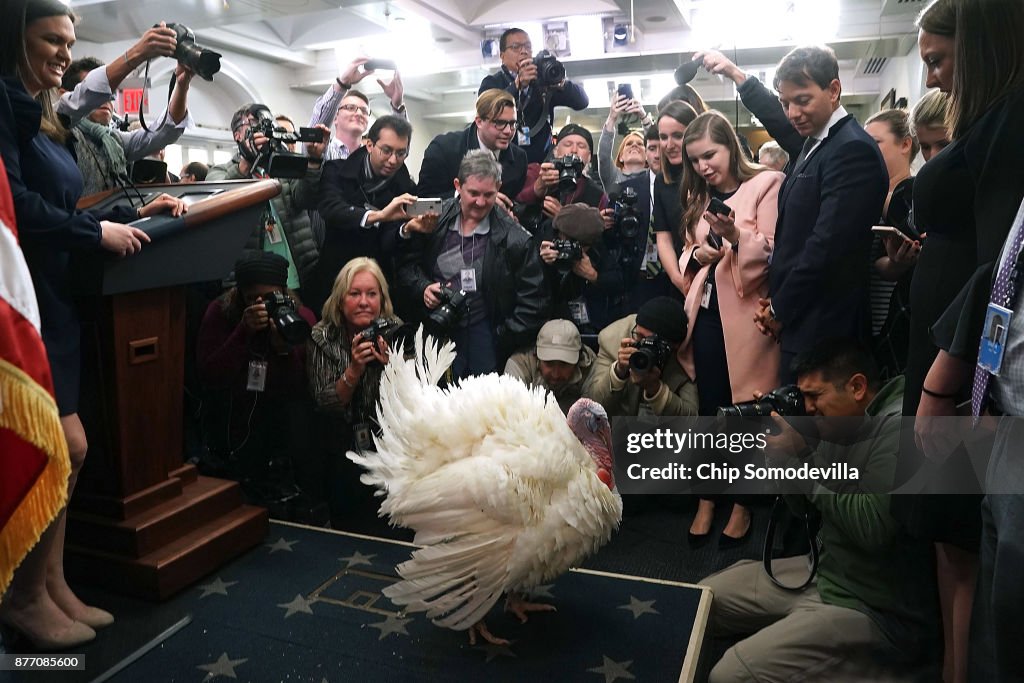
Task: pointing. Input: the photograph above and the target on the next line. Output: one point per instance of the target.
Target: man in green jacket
(870, 610)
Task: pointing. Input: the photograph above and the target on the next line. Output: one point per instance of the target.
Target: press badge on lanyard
(467, 277)
(257, 380)
(993, 344)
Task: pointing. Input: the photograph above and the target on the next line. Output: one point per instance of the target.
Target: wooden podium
(140, 521)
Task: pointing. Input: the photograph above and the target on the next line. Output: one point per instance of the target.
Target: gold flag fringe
(30, 412)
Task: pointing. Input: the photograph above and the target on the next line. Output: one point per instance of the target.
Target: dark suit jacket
(570, 95)
(818, 279)
(444, 154)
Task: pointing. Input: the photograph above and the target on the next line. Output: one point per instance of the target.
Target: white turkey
(504, 492)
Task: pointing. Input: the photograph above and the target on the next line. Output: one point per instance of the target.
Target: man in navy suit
(834, 193)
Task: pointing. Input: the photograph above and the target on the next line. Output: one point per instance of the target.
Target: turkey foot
(519, 607)
(481, 628)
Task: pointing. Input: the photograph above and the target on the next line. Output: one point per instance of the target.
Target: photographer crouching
(251, 353)
(284, 227)
(347, 352)
(869, 612)
(583, 275)
(637, 371)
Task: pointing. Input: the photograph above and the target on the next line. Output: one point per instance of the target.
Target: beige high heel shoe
(69, 637)
(94, 617)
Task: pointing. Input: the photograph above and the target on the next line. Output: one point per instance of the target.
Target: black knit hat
(576, 129)
(261, 268)
(665, 317)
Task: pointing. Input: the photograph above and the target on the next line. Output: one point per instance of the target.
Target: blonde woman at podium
(35, 48)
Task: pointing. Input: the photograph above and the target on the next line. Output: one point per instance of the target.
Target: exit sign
(132, 100)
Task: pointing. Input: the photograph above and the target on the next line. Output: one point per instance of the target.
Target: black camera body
(550, 71)
(381, 327)
(570, 168)
(627, 218)
(787, 401)
(275, 158)
(568, 250)
(651, 352)
(283, 312)
(202, 60)
(453, 306)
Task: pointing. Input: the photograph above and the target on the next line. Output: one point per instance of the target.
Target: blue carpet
(307, 606)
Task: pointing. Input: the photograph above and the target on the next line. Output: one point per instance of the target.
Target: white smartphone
(888, 230)
(424, 205)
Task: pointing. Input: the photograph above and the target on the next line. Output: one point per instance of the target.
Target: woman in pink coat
(730, 209)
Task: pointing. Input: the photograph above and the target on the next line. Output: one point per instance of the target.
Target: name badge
(362, 436)
(468, 277)
(993, 341)
(524, 136)
(273, 233)
(257, 379)
(650, 255)
(705, 299)
(579, 313)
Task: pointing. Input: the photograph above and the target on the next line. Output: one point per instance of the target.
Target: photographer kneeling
(583, 275)
(251, 349)
(637, 372)
(347, 352)
(870, 607)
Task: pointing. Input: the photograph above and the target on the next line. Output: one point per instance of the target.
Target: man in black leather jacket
(481, 251)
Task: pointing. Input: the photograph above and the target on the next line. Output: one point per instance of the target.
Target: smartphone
(719, 207)
(888, 230)
(424, 205)
(626, 90)
(380, 65)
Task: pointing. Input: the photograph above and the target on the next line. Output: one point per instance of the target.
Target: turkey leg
(517, 605)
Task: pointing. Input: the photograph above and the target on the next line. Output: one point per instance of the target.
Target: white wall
(906, 75)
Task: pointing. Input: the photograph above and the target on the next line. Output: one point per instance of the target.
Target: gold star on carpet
(299, 604)
(639, 607)
(357, 558)
(612, 670)
(281, 544)
(217, 587)
(391, 624)
(222, 667)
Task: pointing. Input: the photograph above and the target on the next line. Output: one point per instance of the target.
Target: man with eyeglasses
(284, 226)
(493, 129)
(348, 110)
(631, 389)
(362, 202)
(518, 77)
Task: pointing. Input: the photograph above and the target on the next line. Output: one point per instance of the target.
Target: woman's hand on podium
(121, 239)
(165, 203)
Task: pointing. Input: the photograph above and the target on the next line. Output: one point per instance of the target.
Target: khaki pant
(793, 636)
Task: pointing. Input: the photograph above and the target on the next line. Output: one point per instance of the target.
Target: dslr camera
(274, 156)
(281, 308)
(550, 71)
(787, 401)
(453, 307)
(627, 218)
(569, 252)
(651, 352)
(202, 60)
(381, 327)
(570, 168)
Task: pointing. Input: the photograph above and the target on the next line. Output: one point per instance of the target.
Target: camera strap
(769, 539)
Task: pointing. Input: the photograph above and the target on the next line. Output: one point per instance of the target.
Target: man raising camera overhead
(539, 85)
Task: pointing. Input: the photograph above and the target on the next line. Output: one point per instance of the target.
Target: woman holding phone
(730, 210)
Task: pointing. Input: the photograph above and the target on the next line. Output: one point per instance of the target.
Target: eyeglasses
(634, 335)
(503, 124)
(387, 152)
(354, 108)
(516, 47)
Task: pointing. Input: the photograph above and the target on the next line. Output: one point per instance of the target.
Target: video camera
(627, 218)
(550, 71)
(453, 306)
(275, 158)
(570, 168)
(281, 308)
(651, 352)
(202, 60)
(787, 401)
